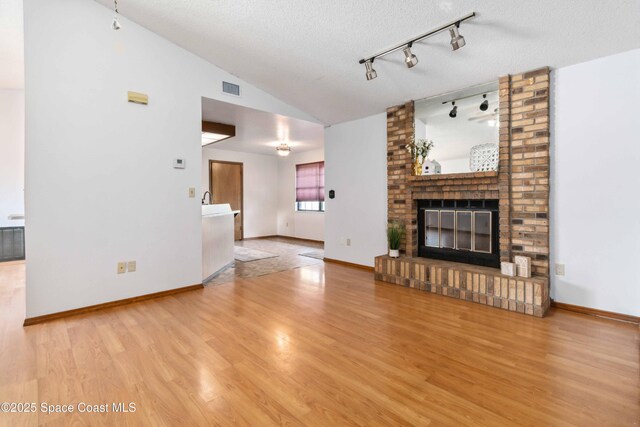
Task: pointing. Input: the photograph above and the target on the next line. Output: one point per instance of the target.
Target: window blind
(310, 182)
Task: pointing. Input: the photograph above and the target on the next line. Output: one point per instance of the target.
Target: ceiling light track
(457, 41)
(483, 94)
(115, 24)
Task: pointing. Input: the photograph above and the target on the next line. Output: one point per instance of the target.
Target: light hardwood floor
(319, 345)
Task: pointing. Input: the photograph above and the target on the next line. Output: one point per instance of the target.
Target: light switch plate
(559, 269)
(192, 192)
(131, 266)
(122, 267)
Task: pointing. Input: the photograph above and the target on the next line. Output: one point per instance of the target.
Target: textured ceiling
(306, 52)
(261, 132)
(11, 45)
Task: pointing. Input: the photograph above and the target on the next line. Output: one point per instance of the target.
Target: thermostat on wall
(178, 163)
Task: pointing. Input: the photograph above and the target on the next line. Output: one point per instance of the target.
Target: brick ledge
(468, 175)
(472, 283)
(461, 266)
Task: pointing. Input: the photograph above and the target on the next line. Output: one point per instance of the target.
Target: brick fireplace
(520, 185)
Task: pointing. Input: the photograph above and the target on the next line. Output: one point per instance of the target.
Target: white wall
(100, 187)
(594, 189)
(356, 168)
(303, 225)
(260, 188)
(11, 156)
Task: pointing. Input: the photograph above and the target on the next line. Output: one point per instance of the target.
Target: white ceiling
(306, 52)
(261, 132)
(11, 45)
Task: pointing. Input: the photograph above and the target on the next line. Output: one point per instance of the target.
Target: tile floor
(288, 258)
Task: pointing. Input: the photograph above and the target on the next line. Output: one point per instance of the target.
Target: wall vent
(231, 89)
(11, 243)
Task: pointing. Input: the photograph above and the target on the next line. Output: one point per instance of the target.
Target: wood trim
(300, 239)
(348, 264)
(595, 312)
(261, 237)
(241, 188)
(220, 128)
(226, 162)
(53, 316)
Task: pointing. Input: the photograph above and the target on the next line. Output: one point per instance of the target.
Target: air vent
(230, 88)
(11, 243)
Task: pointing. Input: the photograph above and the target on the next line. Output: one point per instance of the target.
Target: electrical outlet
(192, 192)
(559, 269)
(131, 266)
(348, 242)
(122, 267)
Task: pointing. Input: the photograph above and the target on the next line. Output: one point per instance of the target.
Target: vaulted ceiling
(306, 52)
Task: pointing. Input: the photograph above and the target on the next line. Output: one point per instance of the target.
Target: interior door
(225, 184)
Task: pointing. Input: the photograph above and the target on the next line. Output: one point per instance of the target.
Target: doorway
(225, 185)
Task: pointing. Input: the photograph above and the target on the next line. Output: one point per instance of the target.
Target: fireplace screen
(459, 230)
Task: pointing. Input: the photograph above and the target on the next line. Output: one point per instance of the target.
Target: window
(310, 187)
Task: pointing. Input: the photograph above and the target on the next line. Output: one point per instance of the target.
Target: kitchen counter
(218, 210)
(217, 239)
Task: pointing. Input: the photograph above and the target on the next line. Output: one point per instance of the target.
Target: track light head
(485, 104)
(409, 58)
(454, 111)
(457, 41)
(115, 25)
(371, 73)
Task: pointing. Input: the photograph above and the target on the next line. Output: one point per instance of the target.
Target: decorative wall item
(430, 167)
(484, 157)
(419, 151)
(523, 265)
(508, 268)
(138, 98)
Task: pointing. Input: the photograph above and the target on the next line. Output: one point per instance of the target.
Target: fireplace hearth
(459, 230)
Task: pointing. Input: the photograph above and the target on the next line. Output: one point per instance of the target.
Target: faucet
(205, 196)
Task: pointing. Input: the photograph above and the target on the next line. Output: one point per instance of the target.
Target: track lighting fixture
(485, 104)
(457, 41)
(454, 111)
(115, 25)
(371, 73)
(467, 107)
(409, 58)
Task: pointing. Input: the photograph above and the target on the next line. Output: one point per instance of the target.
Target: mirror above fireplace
(464, 127)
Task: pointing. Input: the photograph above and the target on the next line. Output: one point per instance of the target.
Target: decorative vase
(417, 166)
(394, 253)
